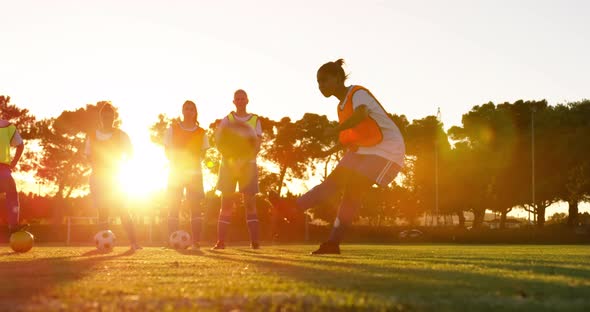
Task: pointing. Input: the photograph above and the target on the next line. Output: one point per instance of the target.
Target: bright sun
(146, 173)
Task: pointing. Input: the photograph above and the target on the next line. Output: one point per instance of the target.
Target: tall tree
(314, 141)
(21, 117)
(158, 129)
(427, 144)
(502, 136)
(574, 147)
(294, 147)
(547, 158)
(286, 151)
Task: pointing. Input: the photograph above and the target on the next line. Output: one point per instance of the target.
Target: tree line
(525, 154)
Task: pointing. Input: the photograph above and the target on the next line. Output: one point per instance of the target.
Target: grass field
(285, 278)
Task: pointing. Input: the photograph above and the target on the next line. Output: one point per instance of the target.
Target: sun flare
(144, 174)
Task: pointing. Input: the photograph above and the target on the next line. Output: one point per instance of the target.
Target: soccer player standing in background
(107, 148)
(9, 137)
(238, 168)
(185, 144)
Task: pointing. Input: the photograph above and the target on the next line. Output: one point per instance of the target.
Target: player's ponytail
(335, 69)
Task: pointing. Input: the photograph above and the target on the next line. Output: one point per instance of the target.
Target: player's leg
(359, 173)
(226, 184)
(195, 195)
(8, 186)
(100, 200)
(224, 220)
(129, 227)
(357, 185)
(175, 190)
(119, 201)
(248, 181)
(115, 199)
(324, 192)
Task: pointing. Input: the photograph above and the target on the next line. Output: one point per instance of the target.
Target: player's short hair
(240, 91)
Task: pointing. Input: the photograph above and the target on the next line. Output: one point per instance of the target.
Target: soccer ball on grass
(105, 240)
(21, 241)
(179, 240)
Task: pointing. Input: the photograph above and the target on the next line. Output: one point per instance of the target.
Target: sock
(13, 212)
(12, 228)
(196, 228)
(130, 229)
(222, 225)
(252, 220)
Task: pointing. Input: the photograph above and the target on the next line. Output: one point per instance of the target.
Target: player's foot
(135, 246)
(219, 245)
(254, 245)
(327, 248)
(195, 246)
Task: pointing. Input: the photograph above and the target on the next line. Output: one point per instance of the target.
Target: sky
(147, 57)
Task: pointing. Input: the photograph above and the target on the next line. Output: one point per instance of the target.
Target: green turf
(285, 278)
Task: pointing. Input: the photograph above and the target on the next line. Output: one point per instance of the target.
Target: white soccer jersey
(392, 146)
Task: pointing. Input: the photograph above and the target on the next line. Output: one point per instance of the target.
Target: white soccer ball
(237, 139)
(179, 240)
(105, 240)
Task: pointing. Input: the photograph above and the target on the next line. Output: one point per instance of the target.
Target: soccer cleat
(254, 245)
(327, 248)
(195, 246)
(219, 245)
(135, 246)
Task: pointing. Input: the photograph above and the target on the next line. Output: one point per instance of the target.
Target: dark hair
(188, 102)
(107, 107)
(104, 109)
(334, 68)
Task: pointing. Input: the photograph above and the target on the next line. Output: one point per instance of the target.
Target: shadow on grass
(533, 258)
(423, 284)
(517, 265)
(25, 280)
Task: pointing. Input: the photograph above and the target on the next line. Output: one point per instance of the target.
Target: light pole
(532, 159)
(436, 145)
